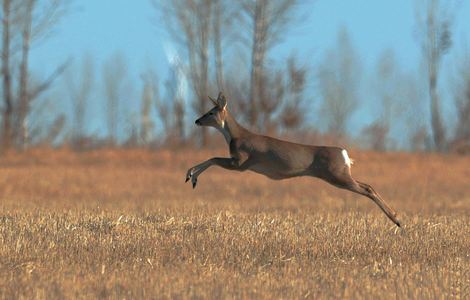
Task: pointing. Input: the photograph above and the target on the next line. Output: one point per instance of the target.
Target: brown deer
(279, 159)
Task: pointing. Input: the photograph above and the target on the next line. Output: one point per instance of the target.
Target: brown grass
(122, 224)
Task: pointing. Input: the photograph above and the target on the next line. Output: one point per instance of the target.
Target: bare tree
(54, 130)
(387, 85)
(282, 106)
(338, 82)
(226, 16)
(217, 40)
(462, 103)
(293, 112)
(434, 21)
(115, 80)
(6, 73)
(35, 20)
(171, 109)
(268, 20)
(80, 86)
(411, 118)
(26, 13)
(46, 121)
(150, 88)
(189, 22)
(24, 22)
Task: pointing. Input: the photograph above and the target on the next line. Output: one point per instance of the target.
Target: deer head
(216, 116)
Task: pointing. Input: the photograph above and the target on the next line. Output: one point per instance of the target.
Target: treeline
(223, 45)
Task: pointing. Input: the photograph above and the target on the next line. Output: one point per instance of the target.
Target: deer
(279, 159)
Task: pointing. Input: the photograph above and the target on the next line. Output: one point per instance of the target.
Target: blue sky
(102, 28)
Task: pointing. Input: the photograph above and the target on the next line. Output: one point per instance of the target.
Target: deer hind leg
(368, 191)
(344, 180)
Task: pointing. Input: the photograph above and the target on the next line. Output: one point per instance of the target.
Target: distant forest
(267, 95)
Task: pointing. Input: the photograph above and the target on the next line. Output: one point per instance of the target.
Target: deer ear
(221, 101)
(213, 101)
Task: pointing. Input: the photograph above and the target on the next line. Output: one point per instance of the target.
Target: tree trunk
(23, 88)
(218, 45)
(179, 119)
(7, 96)
(437, 126)
(204, 63)
(436, 28)
(257, 59)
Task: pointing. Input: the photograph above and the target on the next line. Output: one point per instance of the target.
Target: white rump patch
(347, 160)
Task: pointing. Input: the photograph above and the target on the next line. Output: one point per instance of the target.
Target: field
(124, 225)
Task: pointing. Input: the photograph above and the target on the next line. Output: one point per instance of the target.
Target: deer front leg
(226, 163)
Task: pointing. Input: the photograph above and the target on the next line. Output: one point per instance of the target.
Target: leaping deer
(279, 159)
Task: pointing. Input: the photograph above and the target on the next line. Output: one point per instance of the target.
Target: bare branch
(49, 81)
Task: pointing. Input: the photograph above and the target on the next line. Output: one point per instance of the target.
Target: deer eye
(211, 113)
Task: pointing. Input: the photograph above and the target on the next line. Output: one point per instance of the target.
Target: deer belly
(273, 171)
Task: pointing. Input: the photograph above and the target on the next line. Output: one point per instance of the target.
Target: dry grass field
(124, 225)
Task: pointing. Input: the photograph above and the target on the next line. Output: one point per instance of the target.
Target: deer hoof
(189, 174)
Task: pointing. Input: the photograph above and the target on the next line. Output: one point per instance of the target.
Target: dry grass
(124, 225)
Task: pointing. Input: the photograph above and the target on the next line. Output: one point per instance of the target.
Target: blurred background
(380, 75)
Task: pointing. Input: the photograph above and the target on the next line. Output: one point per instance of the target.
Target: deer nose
(197, 122)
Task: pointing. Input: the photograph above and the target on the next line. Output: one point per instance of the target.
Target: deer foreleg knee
(227, 163)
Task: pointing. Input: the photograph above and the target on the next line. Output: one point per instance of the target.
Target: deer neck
(231, 129)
